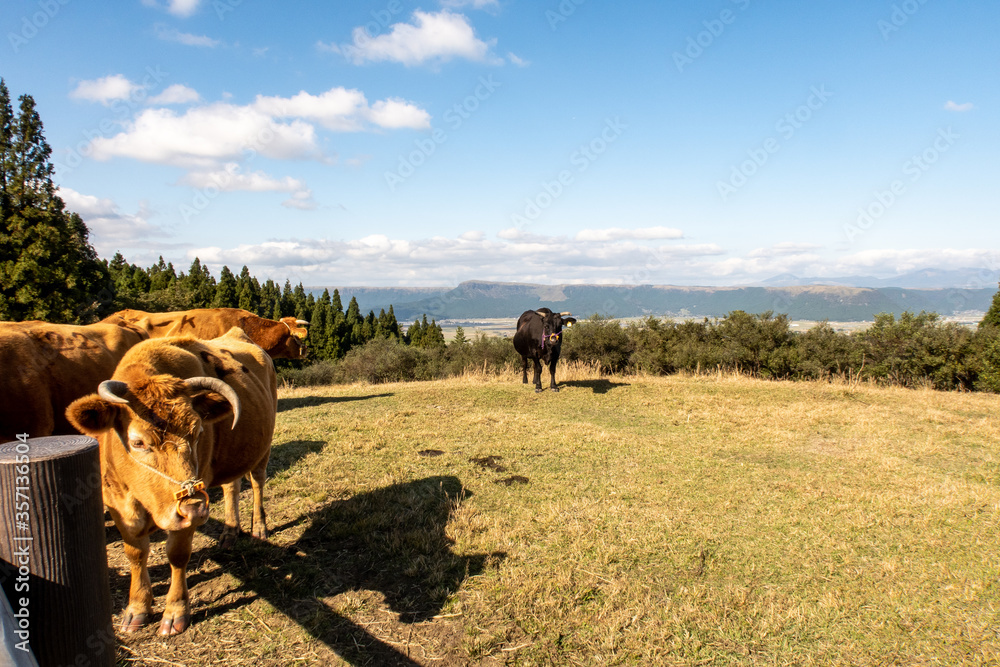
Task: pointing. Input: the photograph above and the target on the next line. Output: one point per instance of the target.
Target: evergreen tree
(48, 269)
(393, 325)
(226, 295)
(460, 338)
(336, 304)
(414, 335)
(992, 318)
(318, 343)
(6, 151)
(199, 284)
(287, 300)
(299, 303)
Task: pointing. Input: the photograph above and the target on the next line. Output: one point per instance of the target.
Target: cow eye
(138, 444)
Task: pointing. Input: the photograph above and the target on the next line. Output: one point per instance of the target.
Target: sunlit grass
(640, 520)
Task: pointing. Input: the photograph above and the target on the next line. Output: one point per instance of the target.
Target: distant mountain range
(807, 299)
(922, 279)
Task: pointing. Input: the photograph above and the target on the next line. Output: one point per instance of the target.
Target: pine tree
(226, 295)
(199, 284)
(300, 303)
(393, 324)
(48, 269)
(6, 151)
(992, 317)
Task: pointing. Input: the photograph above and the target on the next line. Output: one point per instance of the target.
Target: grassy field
(639, 520)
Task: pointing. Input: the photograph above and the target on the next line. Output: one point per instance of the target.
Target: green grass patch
(638, 520)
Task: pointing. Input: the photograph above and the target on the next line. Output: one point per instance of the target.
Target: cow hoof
(174, 626)
(538, 390)
(133, 622)
(260, 534)
(228, 537)
(554, 388)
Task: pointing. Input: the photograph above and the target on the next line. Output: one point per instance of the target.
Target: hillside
(480, 299)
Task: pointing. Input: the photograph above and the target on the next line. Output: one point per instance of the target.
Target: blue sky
(399, 143)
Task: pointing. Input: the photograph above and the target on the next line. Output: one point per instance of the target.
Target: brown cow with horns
(179, 415)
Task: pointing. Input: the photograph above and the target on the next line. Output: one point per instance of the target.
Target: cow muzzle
(192, 502)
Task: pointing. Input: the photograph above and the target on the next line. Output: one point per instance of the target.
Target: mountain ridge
(488, 299)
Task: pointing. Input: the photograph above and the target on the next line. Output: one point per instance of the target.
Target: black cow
(539, 337)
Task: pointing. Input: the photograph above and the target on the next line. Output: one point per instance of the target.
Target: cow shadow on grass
(601, 386)
(391, 541)
(296, 402)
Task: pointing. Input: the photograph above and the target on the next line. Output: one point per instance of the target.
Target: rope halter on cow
(113, 391)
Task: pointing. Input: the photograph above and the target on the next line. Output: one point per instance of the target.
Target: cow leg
(231, 531)
(257, 478)
(140, 594)
(524, 371)
(538, 376)
(552, 372)
(177, 610)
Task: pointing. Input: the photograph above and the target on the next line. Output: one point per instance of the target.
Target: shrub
(598, 341)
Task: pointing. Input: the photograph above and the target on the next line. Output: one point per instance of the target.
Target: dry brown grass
(640, 520)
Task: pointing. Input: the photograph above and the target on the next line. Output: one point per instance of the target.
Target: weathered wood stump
(53, 558)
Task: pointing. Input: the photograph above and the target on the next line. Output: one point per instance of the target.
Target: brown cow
(281, 339)
(45, 367)
(164, 427)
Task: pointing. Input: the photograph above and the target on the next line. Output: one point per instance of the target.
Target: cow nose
(194, 510)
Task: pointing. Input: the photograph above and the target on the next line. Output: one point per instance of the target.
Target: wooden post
(53, 557)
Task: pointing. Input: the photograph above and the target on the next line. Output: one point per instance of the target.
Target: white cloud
(181, 8)
(345, 110)
(168, 34)
(378, 258)
(104, 90)
(890, 261)
(231, 179)
(302, 200)
(431, 38)
(953, 106)
(175, 94)
(110, 229)
(784, 250)
(204, 136)
(618, 234)
(520, 62)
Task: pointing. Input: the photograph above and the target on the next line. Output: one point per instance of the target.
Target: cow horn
(113, 391)
(302, 323)
(218, 386)
(566, 314)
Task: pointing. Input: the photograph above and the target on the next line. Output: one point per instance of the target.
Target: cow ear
(211, 406)
(93, 415)
(296, 327)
